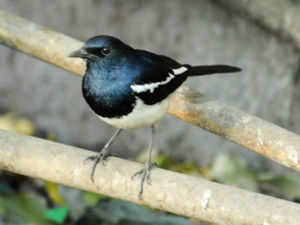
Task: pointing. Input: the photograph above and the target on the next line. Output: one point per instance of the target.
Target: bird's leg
(103, 153)
(145, 172)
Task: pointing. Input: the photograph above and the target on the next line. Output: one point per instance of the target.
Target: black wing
(160, 77)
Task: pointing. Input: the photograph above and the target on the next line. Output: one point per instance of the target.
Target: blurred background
(261, 38)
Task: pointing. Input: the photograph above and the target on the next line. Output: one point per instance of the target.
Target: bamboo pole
(173, 192)
(251, 132)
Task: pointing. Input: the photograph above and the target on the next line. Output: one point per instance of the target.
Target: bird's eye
(105, 51)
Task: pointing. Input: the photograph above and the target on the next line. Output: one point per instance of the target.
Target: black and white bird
(130, 88)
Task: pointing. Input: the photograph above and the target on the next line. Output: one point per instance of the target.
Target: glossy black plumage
(107, 84)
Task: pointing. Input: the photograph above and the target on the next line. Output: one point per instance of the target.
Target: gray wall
(196, 32)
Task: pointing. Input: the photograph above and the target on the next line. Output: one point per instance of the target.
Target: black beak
(81, 53)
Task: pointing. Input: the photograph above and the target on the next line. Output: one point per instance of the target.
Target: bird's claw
(145, 174)
(91, 158)
(99, 158)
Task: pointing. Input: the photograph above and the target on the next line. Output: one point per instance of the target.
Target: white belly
(141, 116)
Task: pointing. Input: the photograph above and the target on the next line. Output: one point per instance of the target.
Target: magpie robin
(130, 88)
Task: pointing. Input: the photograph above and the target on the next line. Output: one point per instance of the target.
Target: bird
(130, 88)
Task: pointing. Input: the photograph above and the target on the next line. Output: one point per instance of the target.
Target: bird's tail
(212, 69)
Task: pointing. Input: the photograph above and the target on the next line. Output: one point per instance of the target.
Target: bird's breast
(142, 115)
(110, 99)
(109, 94)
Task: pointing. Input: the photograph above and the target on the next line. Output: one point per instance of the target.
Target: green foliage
(54, 194)
(57, 215)
(166, 162)
(286, 186)
(233, 170)
(23, 208)
(91, 199)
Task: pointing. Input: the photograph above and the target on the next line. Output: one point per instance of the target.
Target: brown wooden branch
(173, 192)
(249, 131)
(186, 104)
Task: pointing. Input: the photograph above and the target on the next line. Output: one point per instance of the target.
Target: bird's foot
(145, 176)
(103, 154)
(101, 157)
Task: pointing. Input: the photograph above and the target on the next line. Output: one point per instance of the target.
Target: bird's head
(99, 47)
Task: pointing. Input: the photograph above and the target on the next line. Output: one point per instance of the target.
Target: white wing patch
(138, 88)
(150, 87)
(179, 70)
